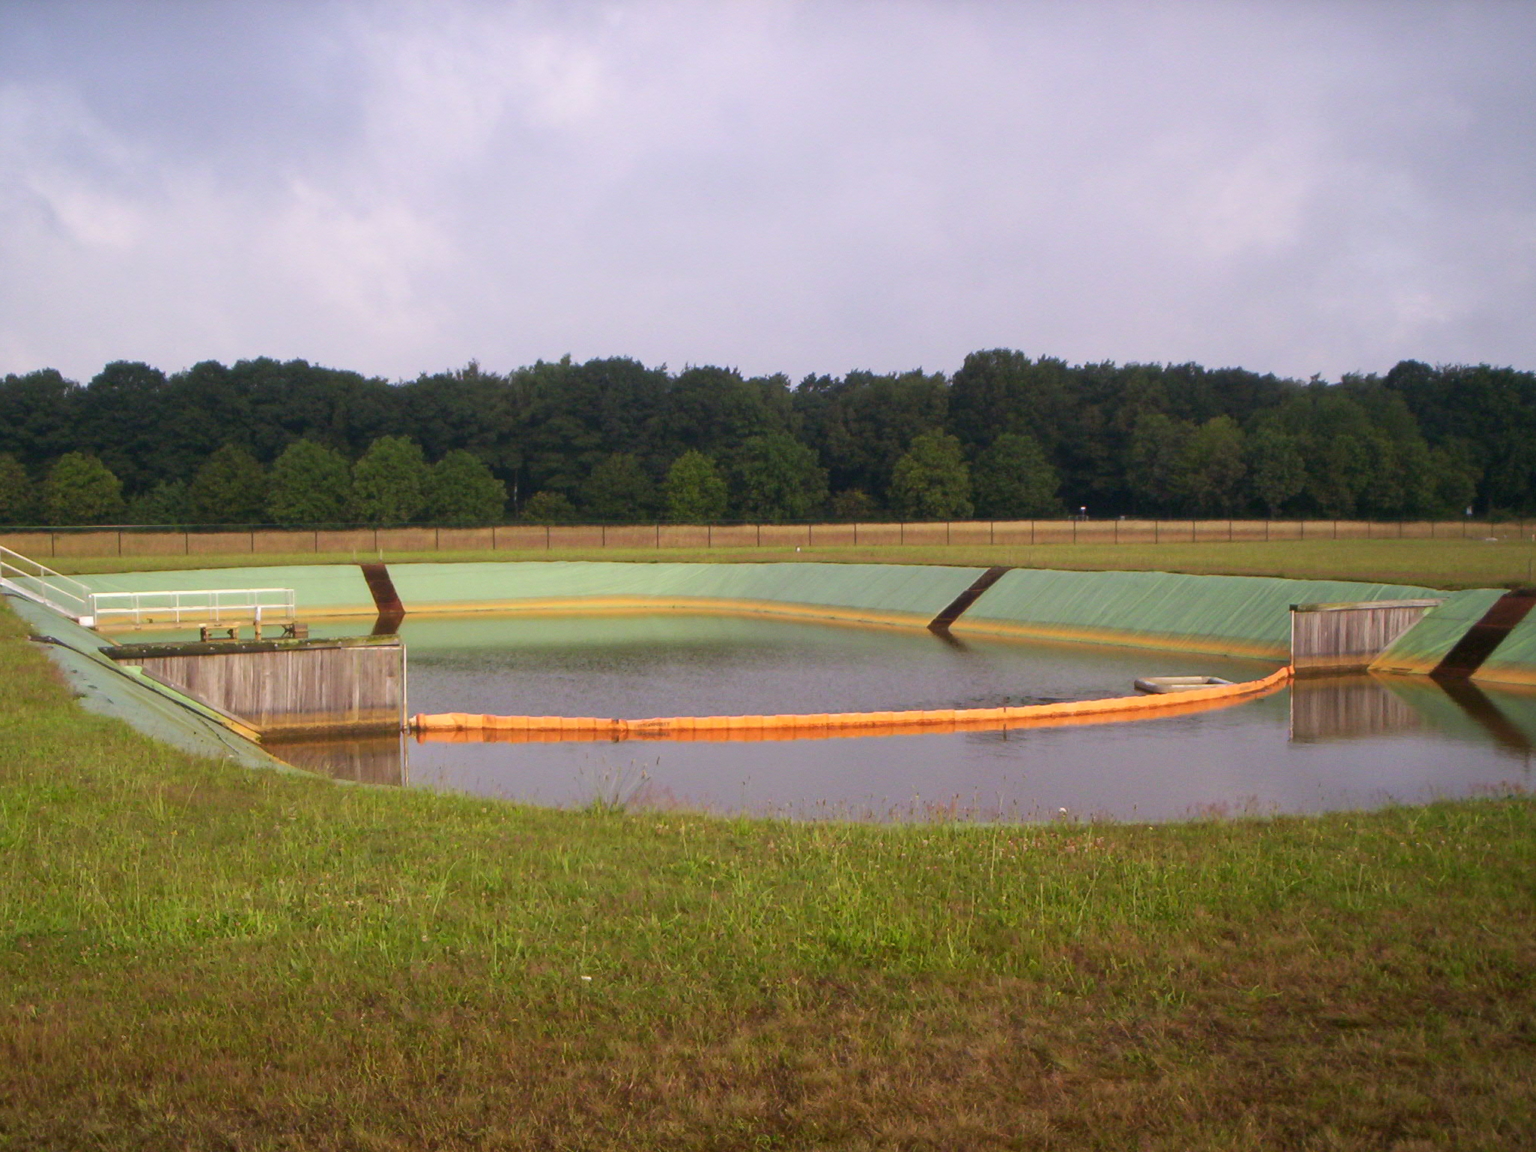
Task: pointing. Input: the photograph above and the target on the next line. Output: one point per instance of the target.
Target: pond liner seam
(957, 607)
(467, 726)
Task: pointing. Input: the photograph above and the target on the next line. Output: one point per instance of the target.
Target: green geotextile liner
(156, 711)
(1223, 615)
(1514, 660)
(906, 589)
(319, 589)
(1422, 647)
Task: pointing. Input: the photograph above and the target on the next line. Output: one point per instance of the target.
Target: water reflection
(1362, 705)
(1355, 741)
(1348, 707)
(372, 760)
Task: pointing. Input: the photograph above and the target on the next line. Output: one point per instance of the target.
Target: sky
(775, 186)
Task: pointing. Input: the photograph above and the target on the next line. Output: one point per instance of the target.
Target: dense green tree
(230, 488)
(80, 489)
(1155, 464)
(1211, 468)
(168, 502)
(310, 485)
(861, 425)
(696, 493)
(778, 478)
(470, 409)
(462, 491)
(549, 508)
(932, 481)
(125, 418)
(1455, 471)
(1490, 410)
(389, 482)
(39, 417)
(578, 415)
(1276, 471)
(1012, 479)
(853, 504)
(715, 411)
(619, 491)
(18, 499)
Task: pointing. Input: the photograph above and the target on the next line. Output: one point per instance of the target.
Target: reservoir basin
(1340, 743)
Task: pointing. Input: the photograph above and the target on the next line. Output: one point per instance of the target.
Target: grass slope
(1433, 563)
(195, 956)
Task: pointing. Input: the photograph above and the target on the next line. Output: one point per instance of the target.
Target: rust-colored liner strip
(1486, 635)
(385, 598)
(944, 619)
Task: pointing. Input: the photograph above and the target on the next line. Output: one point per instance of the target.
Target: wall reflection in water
(1363, 705)
(371, 760)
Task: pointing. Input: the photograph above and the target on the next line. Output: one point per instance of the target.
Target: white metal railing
(26, 577)
(202, 606)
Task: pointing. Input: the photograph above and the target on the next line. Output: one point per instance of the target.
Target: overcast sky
(788, 187)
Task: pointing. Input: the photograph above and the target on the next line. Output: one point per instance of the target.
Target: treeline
(1006, 436)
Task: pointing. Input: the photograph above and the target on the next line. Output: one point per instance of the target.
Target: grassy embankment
(197, 956)
(1432, 563)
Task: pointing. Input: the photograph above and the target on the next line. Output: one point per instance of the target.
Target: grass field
(1433, 563)
(192, 955)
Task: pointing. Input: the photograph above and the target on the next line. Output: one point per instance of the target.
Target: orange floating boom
(468, 728)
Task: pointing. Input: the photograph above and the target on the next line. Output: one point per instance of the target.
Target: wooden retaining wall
(287, 688)
(1347, 637)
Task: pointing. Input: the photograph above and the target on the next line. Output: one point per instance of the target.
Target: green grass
(196, 956)
(1507, 562)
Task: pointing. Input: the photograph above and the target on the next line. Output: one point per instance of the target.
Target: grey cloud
(782, 187)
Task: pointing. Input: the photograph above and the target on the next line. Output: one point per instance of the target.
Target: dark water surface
(1342, 743)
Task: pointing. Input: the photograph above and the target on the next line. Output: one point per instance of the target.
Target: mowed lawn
(1508, 561)
(198, 956)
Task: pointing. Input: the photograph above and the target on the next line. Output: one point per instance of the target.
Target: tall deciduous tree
(778, 478)
(932, 481)
(1013, 478)
(618, 491)
(549, 507)
(310, 485)
(1277, 472)
(168, 502)
(461, 490)
(230, 488)
(80, 489)
(696, 492)
(389, 482)
(1154, 466)
(1211, 467)
(18, 501)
